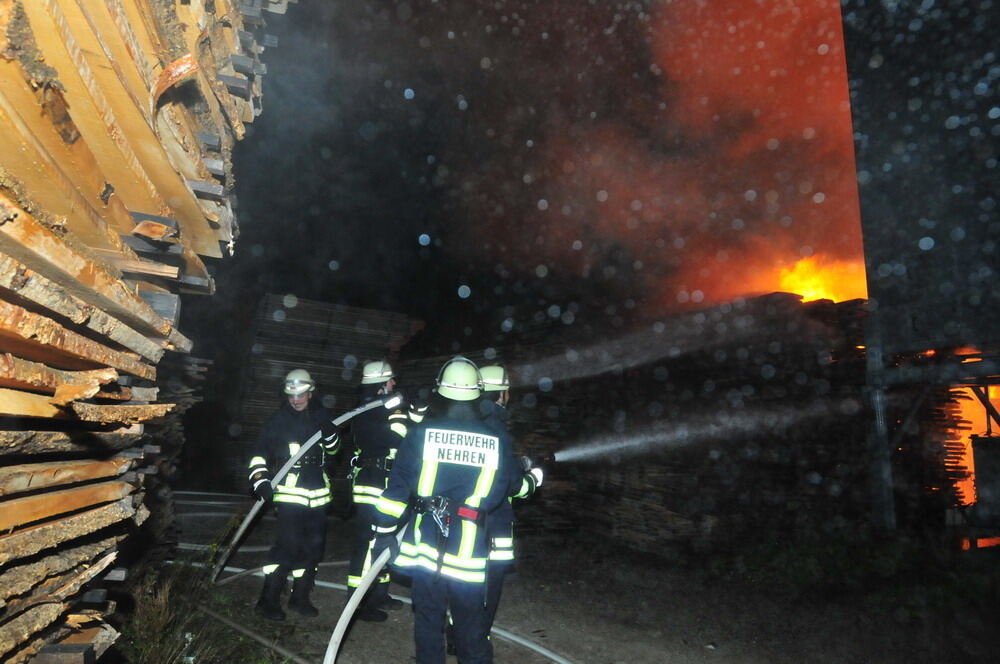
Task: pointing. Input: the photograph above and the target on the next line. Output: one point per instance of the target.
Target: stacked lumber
(803, 470)
(117, 124)
(330, 341)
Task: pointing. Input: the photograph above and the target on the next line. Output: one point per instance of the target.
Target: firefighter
(300, 498)
(500, 522)
(456, 469)
(377, 435)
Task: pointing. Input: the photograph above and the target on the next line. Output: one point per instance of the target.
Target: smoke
(740, 322)
(726, 156)
(717, 427)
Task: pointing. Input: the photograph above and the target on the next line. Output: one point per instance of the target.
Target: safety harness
(443, 511)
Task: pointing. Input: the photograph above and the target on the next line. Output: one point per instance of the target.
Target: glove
(385, 541)
(262, 490)
(537, 474)
(329, 432)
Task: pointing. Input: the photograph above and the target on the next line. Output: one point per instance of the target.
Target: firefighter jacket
(500, 522)
(377, 436)
(454, 470)
(281, 437)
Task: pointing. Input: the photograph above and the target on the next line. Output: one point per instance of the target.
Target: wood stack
(330, 341)
(117, 124)
(794, 367)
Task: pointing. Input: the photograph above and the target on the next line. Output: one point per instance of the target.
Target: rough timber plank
(114, 413)
(112, 116)
(39, 116)
(18, 580)
(23, 374)
(94, 443)
(46, 339)
(114, 158)
(18, 512)
(138, 266)
(108, 58)
(119, 49)
(101, 637)
(26, 404)
(51, 189)
(62, 586)
(27, 240)
(17, 278)
(27, 542)
(18, 630)
(33, 476)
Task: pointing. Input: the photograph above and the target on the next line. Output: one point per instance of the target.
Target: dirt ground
(588, 603)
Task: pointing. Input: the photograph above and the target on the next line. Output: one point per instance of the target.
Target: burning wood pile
(117, 123)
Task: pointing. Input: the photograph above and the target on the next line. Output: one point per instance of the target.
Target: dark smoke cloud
(557, 156)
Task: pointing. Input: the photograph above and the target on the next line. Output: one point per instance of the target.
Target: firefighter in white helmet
(451, 471)
(500, 522)
(300, 499)
(377, 435)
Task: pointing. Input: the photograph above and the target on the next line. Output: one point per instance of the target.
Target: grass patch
(164, 625)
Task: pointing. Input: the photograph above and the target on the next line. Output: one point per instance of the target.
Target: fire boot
(390, 604)
(269, 604)
(367, 611)
(380, 599)
(301, 588)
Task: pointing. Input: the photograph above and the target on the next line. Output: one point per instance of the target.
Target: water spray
(741, 321)
(665, 436)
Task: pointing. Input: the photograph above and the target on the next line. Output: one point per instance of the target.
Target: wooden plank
(23, 374)
(26, 239)
(62, 587)
(29, 541)
(96, 443)
(15, 632)
(39, 113)
(19, 512)
(133, 266)
(110, 114)
(167, 305)
(17, 278)
(27, 404)
(18, 580)
(22, 585)
(33, 476)
(101, 637)
(115, 159)
(125, 413)
(37, 337)
(26, 159)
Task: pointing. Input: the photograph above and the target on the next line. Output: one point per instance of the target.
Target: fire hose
(390, 401)
(352, 604)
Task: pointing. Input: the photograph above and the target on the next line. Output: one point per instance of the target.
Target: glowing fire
(817, 279)
(973, 412)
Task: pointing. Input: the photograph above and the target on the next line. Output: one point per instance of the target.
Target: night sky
(493, 166)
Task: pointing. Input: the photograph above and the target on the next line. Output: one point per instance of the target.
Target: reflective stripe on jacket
(459, 459)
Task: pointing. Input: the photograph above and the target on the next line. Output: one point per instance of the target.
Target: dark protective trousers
(300, 537)
(432, 595)
(495, 574)
(364, 515)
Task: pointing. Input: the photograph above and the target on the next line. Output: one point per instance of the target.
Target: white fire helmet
(495, 378)
(459, 380)
(376, 373)
(298, 381)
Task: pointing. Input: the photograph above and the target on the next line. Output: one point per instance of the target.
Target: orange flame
(817, 279)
